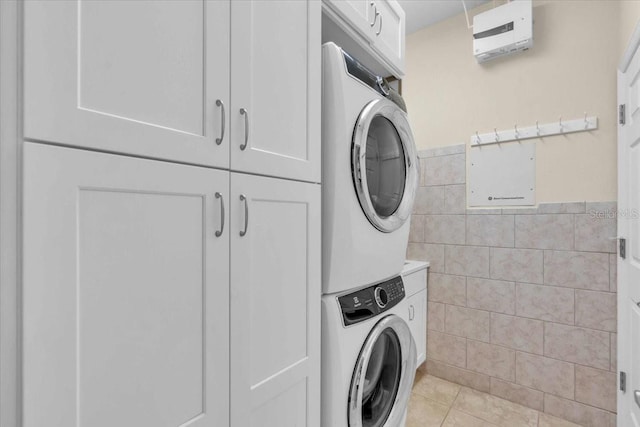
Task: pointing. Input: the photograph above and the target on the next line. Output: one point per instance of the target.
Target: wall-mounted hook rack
(537, 131)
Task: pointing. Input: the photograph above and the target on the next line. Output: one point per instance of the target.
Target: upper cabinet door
(275, 106)
(275, 302)
(389, 32)
(361, 13)
(147, 78)
(125, 291)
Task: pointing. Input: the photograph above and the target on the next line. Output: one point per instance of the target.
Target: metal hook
(560, 122)
(516, 131)
(537, 129)
(497, 136)
(586, 122)
(477, 138)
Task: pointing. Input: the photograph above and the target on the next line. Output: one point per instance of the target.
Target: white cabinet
(275, 88)
(157, 293)
(418, 323)
(125, 291)
(389, 32)
(379, 26)
(414, 276)
(275, 302)
(152, 79)
(136, 77)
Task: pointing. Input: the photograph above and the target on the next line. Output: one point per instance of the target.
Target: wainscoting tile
(517, 333)
(455, 199)
(562, 208)
(596, 387)
(434, 254)
(544, 231)
(519, 394)
(447, 289)
(491, 295)
(416, 229)
(581, 270)
(448, 229)
(492, 360)
(545, 374)
(596, 310)
(490, 230)
(429, 200)
(458, 375)
(467, 322)
(442, 151)
(447, 348)
(614, 352)
(578, 345)
(435, 316)
(545, 303)
(467, 260)
(613, 272)
(445, 170)
(584, 415)
(594, 233)
(518, 265)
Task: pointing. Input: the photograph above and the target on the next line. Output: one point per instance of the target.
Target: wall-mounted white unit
(503, 30)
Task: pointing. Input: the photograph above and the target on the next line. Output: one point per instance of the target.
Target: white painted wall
(571, 69)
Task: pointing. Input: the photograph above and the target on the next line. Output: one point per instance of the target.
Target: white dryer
(369, 176)
(368, 357)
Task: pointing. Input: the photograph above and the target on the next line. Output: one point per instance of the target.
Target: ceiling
(422, 13)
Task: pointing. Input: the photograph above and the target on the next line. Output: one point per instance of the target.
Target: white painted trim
(632, 46)
(10, 214)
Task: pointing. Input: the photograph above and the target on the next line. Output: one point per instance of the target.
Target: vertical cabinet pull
(375, 14)
(219, 232)
(222, 121)
(243, 198)
(412, 312)
(380, 29)
(636, 397)
(245, 113)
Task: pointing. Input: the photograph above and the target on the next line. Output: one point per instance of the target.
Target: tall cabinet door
(275, 106)
(125, 315)
(275, 302)
(148, 78)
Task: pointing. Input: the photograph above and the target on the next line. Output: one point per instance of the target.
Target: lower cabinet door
(275, 302)
(125, 292)
(418, 323)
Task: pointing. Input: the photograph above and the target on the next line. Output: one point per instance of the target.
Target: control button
(382, 298)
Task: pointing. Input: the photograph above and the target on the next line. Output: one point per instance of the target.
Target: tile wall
(522, 301)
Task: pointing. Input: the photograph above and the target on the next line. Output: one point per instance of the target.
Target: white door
(275, 302)
(275, 106)
(629, 229)
(148, 78)
(125, 292)
(389, 36)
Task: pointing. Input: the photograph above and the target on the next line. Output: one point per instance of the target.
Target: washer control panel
(366, 303)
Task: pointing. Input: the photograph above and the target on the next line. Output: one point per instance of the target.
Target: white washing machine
(369, 176)
(368, 357)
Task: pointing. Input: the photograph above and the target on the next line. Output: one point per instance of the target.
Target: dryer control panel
(366, 303)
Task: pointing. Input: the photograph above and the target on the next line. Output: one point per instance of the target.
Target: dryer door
(384, 164)
(383, 376)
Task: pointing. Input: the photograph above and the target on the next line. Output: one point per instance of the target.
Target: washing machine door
(383, 376)
(384, 164)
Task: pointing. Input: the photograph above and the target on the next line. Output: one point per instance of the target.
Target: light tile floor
(438, 403)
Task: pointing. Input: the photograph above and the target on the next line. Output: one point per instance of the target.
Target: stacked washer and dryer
(370, 176)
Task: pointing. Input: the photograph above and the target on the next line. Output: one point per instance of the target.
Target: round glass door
(384, 164)
(383, 376)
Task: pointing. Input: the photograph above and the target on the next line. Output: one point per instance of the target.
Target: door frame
(10, 223)
(623, 345)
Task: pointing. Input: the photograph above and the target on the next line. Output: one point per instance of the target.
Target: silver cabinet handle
(636, 397)
(375, 14)
(245, 113)
(380, 30)
(412, 312)
(222, 120)
(243, 198)
(219, 232)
